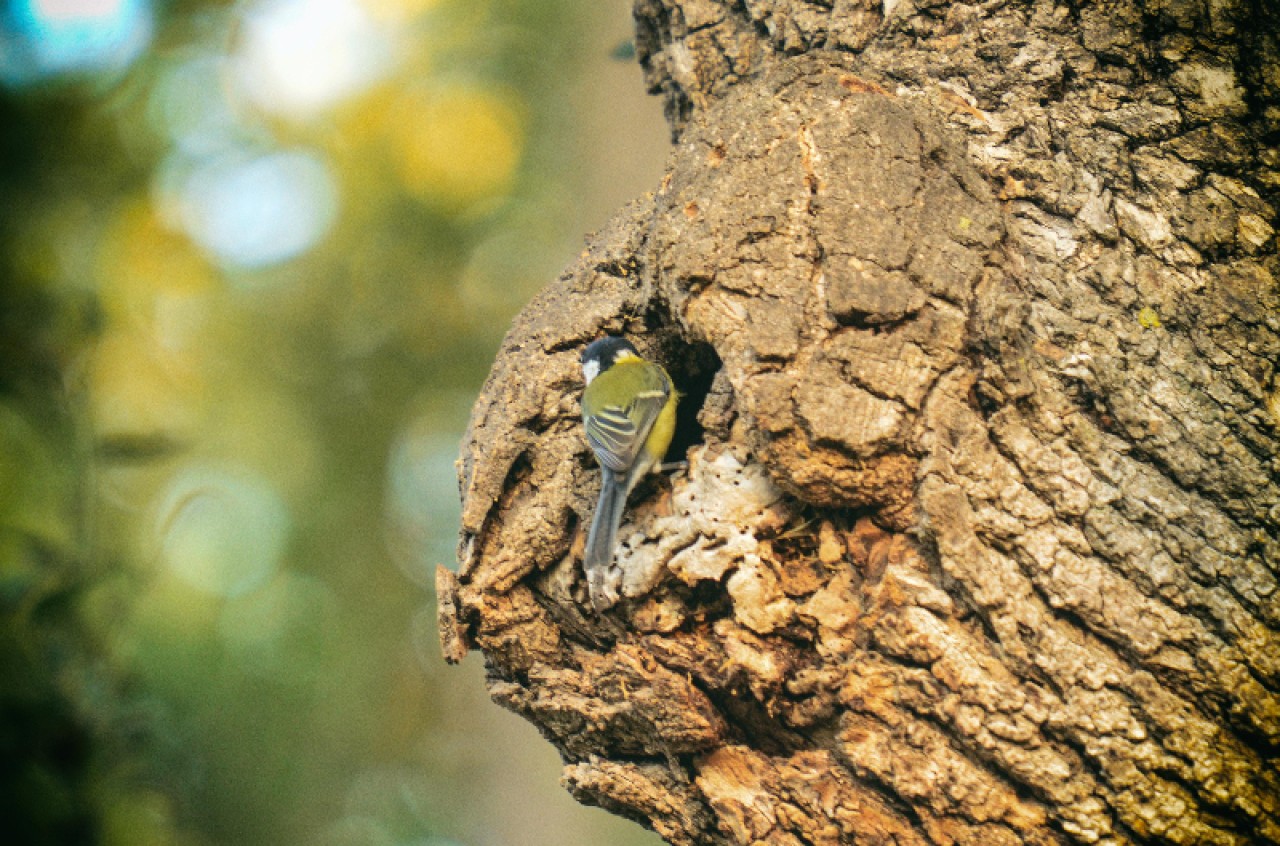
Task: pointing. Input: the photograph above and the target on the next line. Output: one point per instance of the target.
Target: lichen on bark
(976, 308)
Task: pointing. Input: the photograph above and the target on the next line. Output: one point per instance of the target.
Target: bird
(629, 415)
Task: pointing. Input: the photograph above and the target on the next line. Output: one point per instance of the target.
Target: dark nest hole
(693, 368)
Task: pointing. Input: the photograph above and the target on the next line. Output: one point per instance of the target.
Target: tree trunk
(975, 311)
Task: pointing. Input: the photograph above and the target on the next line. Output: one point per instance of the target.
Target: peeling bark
(975, 308)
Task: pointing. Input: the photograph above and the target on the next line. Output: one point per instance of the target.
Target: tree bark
(976, 307)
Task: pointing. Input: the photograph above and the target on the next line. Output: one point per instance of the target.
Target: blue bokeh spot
(42, 39)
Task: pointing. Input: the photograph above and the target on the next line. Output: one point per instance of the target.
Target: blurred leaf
(34, 483)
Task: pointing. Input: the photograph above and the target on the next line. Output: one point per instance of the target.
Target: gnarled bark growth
(976, 308)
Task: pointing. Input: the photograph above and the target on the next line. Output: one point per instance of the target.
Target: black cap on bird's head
(600, 355)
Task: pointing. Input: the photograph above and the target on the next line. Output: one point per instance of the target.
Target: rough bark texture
(977, 307)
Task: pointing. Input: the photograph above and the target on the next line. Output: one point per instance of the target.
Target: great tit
(629, 412)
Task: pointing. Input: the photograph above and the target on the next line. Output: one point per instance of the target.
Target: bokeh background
(255, 259)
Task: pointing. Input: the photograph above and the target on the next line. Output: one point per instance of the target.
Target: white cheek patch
(590, 370)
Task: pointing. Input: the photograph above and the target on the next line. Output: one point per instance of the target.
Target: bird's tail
(597, 560)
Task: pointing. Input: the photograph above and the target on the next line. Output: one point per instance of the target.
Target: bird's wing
(616, 434)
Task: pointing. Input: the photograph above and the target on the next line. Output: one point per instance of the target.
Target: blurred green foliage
(256, 259)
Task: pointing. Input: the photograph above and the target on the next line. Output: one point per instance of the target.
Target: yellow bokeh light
(399, 10)
(142, 264)
(139, 390)
(457, 147)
